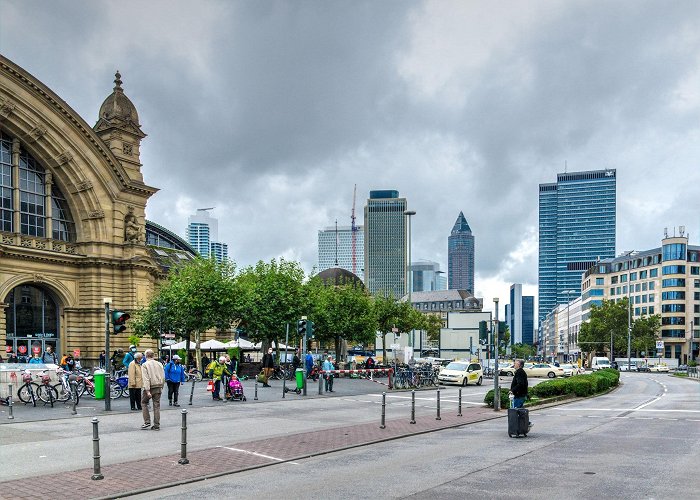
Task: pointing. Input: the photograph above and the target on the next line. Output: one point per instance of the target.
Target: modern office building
(203, 235)
(577, 228)
(557, 336)
(335, 249)
(386, 243)
(664, 280)
(427, 277)
(460, 256)
(520, 316)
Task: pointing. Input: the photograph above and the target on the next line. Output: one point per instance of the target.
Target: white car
(658, 368)
(462, 373)
(543, 370)
(570, 370)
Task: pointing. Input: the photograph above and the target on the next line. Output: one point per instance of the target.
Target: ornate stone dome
(338, 276)
(118, 110)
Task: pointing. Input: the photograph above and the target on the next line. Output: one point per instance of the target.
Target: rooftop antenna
(336, 243)
(665, 232)
(681, 230)
(565, 166)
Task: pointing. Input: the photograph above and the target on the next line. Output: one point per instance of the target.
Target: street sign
(395, 330)
(168, 342)
(168, 336)
(659, 344)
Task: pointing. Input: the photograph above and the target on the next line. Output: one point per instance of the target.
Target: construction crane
(353, 232)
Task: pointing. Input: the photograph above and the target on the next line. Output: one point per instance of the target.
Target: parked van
(598, 363)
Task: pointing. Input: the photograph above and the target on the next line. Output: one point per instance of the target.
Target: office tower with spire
(460, 256)
(577, 228)
(203, 235)
(386, 244)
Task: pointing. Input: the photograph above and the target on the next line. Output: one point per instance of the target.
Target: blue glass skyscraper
(577, 227)
(460, 256)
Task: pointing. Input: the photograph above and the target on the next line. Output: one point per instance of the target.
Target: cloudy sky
(273, 111)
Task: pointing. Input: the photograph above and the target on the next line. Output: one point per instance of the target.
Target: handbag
(210, 386)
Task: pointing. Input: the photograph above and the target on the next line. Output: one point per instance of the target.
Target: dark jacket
(519, 384)
(49, 357)
(268, 361)
(295, 362)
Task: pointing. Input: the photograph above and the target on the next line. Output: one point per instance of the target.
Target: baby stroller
(234, 390)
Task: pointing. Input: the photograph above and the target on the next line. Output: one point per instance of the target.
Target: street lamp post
(629, 315)
(568, 330)
(496, 390)
(410, 213)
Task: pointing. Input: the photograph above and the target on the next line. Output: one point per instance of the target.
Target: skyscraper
(577, 227)
(520, 316)
(427, 276)
(330, 242)
(460, 256)
(386, 243)
(203, 233)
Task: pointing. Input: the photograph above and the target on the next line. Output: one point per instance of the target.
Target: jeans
(519, 402)
(329, 382)
(217, 388)
(155, 396)
(173, 390)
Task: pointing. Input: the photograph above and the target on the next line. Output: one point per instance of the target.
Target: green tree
(644, 333)
(432, 324)
(392, 314)
(608, 319)
(196, 296)
(342, 311)
(523, 351)
(272, 294)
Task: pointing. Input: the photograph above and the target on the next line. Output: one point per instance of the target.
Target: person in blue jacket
(174, 376)
(309, 364)
(129, 357)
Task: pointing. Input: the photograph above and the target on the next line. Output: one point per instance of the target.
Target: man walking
(327, 367)
(49, 356)
(129, 357)
(519, 385)
(153, 381)
(135, 382)
(174, 376)
(309, 364)
(268, 366)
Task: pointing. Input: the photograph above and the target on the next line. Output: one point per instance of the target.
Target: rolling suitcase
(518, 422)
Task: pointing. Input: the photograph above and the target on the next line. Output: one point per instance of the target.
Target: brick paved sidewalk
(160, 472)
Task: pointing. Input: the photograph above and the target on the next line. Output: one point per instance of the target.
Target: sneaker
(176, 404)
(154, 428)
(170, 403)
(146, 426)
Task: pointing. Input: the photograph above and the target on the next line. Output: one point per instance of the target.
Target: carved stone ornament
(48, 178)
(39, 278)
(7, 240)
(63, 158)
(41, 245)
(71, 249)
(58, 247)
(96, 214)
(6, 109)
(36, 133)
(26, 243)
(132, 229)
(84, 185)
(127, 149)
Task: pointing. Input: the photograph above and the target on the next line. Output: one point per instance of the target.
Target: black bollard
(192, 392)
(320, 384)
(74, 390)
(438, 405)
(96, 474)
(413, 407)
(9, 402)
(383, 426)
(183, 442)
(459, 404)
(256, 390)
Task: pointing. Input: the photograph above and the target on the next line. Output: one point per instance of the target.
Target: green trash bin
(299, 374)
(99, 378)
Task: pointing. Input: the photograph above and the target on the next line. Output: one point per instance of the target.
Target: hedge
(578, 385)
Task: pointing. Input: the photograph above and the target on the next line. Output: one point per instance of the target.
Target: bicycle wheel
(27, 393)
(115, 391)
(197, 375)
(62, 395)
(46, 393)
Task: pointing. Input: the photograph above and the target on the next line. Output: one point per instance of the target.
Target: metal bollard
(320, 384)
(74, 389)
(9, 402)
(183, 442)
(438, 405)
(96, 474)
(256, 390)
(383, 426)
(459, 404)
(413, 407)
(192, 392)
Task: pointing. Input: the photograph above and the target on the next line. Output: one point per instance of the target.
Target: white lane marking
(643, 418)
(629, 409)
(257, 454)
(692, 420)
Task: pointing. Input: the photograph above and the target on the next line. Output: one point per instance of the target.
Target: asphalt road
(640, 441)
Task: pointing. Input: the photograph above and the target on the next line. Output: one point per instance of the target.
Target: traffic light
(119, 319)
(310, 329)
(483, 333)
(302, 326)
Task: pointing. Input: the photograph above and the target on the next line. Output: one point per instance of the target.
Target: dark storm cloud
(273, 111)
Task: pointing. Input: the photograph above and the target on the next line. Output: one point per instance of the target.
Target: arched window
(26, 192)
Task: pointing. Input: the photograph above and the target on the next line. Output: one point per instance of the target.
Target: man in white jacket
(153, 381)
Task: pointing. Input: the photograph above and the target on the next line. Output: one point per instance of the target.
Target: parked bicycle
(46, 392)
(27, 393)
(63, 389)
(194, 374)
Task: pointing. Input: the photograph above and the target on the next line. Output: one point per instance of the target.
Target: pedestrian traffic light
(483, 333)
(302, 326)
(119, 319)
(310, 329)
